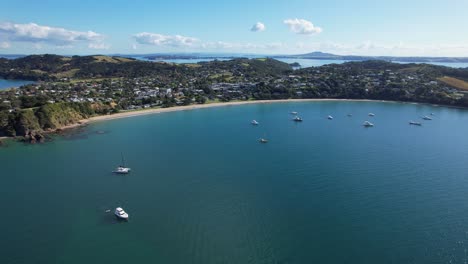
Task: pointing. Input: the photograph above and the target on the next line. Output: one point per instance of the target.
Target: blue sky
(362, 27)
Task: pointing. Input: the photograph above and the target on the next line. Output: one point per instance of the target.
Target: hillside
(53, 67)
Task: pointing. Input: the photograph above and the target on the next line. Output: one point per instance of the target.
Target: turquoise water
(203, 190)
(5, 84)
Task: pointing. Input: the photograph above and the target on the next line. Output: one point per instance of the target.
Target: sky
(359, 27)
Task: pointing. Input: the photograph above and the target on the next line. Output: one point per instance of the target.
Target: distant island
(70, 89)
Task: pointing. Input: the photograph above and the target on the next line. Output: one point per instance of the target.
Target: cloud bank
(32, 32)
(165, 40)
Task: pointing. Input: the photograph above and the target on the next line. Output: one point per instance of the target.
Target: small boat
(120, 213)
(371, 114)
(415, 123)
(293, 113)
(432, 114)
(262, 140)
(121, 169)
(426, 118)
(254, 122)
(330, 117)
(297, 119)
(350, 115)
(368, 124)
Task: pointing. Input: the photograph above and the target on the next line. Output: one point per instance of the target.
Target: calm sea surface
(204, 190)
(5, 84)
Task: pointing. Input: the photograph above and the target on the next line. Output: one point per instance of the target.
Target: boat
(371, 114)
(120, 213)
(293, 113)
(121, 169)
(330, 117)
(432, 114)
(415, 123)
(368, 124)
(262, 140)
(254, 122)
(426, 118)
(350, 115)
(297, 119)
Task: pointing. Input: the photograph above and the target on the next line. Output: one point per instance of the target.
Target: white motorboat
(262, 140)
(426, 118)
(371, 114)
(368, 124)
(254, 122)
(293, 113)
(120, 213)
(330, 117)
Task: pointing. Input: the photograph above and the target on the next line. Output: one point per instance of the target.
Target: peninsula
(73, 89)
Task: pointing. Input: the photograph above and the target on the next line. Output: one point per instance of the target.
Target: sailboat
(121, 169)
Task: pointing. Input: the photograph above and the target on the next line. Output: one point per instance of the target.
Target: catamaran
(121, 169)
(120, 213)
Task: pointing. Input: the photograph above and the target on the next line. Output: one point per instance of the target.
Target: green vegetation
(46, 117)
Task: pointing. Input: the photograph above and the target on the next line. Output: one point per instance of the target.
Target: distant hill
(49, 67)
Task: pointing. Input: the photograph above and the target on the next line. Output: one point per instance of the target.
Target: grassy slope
(454, 82)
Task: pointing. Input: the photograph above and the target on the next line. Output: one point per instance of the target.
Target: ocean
(204, 190)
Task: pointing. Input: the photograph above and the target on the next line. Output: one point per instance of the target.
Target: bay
(5, 84)
(204, 190)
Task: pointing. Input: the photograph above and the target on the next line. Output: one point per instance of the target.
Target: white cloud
(258, 27)
(302, 26)
(35, 33)
(98, 45)
(165, 40)
(4, 45)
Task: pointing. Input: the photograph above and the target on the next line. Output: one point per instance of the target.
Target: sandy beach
(193, 107)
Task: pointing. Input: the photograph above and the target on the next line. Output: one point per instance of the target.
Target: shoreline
(142, 112)
(198, 106)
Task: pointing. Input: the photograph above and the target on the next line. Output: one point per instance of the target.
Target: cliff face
(33, 122)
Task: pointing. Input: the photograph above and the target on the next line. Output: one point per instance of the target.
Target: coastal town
(210, 84)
